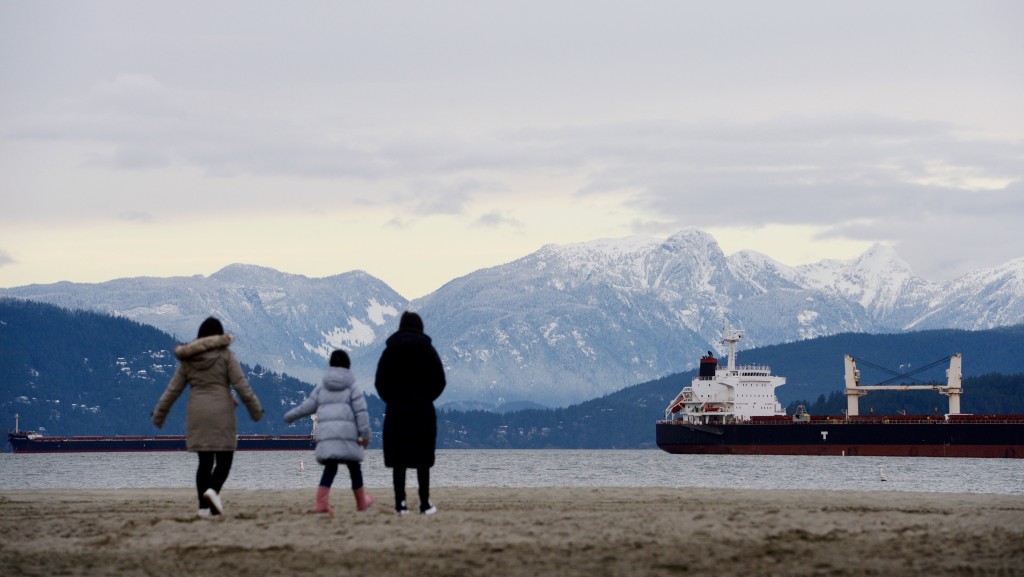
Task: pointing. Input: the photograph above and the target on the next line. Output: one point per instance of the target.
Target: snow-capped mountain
(566, 323)
(287, 323)
(574, 322)
(983, 298)
(878, 280)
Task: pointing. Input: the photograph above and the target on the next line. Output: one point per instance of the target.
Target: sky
(420, 141)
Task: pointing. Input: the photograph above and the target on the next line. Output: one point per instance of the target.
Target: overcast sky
(420, 141)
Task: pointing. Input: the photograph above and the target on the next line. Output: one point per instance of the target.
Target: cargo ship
(734, 410)
(33, 442)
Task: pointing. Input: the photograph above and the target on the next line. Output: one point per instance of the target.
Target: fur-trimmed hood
(199, 346)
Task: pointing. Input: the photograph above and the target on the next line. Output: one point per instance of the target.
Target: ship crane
(953, 388)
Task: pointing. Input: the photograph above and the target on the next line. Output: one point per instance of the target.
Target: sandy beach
(496, 532)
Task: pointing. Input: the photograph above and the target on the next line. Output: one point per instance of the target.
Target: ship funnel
(708, 366)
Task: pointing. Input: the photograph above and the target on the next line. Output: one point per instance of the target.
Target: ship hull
(168, 443)
(939, 439)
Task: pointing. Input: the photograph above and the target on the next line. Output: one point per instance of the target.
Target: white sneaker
(402, 509)
(429, 511)
(214, 500)
(205, 513)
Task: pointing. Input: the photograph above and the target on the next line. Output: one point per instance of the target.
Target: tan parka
(212, 369)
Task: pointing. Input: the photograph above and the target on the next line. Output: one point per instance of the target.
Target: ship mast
(731, 337)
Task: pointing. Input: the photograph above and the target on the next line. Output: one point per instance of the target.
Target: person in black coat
(409, 379)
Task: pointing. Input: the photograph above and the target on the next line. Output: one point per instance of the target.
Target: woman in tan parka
(212, 369)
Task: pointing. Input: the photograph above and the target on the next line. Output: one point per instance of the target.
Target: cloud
(914, 138)
(218, 135)
(792, 169)
(858, 176)
(433, 202)
(803, 171)
(5, 258)
(497, 219)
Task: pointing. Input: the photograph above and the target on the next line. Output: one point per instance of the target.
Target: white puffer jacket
(341, 415)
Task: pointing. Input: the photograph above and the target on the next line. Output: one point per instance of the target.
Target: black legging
(331, 469)
(422, 477)
(209, 476)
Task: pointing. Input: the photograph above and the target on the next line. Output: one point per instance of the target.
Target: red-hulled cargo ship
(33, 442)
(734, 410)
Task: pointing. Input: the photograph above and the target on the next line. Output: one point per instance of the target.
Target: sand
(498, 532)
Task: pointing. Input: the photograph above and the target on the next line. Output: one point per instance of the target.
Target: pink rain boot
(363, 499)
(323, 503)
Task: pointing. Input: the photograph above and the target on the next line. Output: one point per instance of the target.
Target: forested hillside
(70, 372)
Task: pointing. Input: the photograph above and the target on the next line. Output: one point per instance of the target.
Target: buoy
(302, 465)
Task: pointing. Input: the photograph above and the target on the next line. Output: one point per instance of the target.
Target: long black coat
(409, 379)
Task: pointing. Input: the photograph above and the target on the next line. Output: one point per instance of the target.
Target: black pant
(214, 467)
(422, 477)
(355, 472)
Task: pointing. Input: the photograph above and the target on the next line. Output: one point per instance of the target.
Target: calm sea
(536, 468)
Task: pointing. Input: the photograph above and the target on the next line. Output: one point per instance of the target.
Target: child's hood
(338, 379)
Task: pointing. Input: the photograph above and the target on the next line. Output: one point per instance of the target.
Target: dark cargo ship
(33, 442)
(734, 410)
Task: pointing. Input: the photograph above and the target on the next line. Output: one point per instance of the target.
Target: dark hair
(412, 321)
(210, 327)
(339, 358)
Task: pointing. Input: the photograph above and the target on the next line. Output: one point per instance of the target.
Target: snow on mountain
(878, 280)
(577, 321)
(980, 299)
(565, 323)
(285, 322)
(763, 273)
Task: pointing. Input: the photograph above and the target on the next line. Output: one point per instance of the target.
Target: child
(342, 431)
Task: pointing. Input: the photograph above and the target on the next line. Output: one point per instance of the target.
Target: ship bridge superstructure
(721, 395)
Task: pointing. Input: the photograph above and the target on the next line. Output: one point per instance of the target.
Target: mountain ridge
(567, 322)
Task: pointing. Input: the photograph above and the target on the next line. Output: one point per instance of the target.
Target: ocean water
(530, 468)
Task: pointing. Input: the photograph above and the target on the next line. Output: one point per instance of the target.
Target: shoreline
(495, 531)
